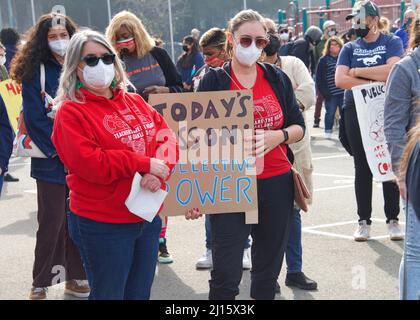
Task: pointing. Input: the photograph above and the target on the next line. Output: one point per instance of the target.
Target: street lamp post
(33, 12)
(245, 5)
(171, 30)
(109, 10)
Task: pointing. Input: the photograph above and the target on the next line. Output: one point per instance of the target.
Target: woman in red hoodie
(104, 136)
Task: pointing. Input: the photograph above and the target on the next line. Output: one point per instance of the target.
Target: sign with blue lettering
(216, 172)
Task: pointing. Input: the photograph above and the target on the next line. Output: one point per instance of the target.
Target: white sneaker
(206, 261)
(395, 232)
(363, 232)
(246, 261)
(328, 135)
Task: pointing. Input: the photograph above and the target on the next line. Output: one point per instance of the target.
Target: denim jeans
(331, 105)
(294, 246)
(1, 184)
(120, 259)
(208, 235)
(410, 264)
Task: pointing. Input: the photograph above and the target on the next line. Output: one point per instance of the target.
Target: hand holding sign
(193, 214)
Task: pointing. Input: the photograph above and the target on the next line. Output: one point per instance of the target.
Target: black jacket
(173, 78)
(219, 80)
(302, 49)
(6, 137)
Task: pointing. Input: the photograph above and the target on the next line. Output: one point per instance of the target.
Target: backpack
(24, 146)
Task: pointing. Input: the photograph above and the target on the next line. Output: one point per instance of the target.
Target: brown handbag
(302, 193)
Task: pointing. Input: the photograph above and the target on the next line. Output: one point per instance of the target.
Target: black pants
(57, 259)
(270, 236)
(363, 182)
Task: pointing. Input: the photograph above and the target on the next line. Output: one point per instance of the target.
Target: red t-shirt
(268, 115)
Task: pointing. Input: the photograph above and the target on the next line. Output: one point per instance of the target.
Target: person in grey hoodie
(402, 109)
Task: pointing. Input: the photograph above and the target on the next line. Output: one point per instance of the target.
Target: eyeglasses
(246, 41)
(92, 60)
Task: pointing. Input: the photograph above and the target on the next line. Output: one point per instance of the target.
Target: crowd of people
(102, 83)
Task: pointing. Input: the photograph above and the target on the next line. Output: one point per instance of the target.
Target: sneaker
(395, 232)
(363, 232)
(316, 123)
(164, 257)
(246, 261)
(9, 178)
(205, 262)
(78, 288)
(278, 290)
(328, 135)
(38, 294)
(299, 280)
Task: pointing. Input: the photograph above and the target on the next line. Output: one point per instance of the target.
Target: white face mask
(248, 56)
(99, 76)
(332, 33)
(284, 36)
(2, 60)
(59, 46)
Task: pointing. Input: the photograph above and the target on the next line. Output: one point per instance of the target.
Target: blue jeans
(120, 259)
(294, 246)
(331, 105)
(1, 184)
(209, 239)
(410, 264)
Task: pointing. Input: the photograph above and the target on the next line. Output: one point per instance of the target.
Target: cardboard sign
(370, 102)
(215, 172)
(11, 92)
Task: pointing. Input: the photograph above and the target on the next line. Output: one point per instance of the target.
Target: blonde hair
(144, 42)
(329, 42)
(68, 80)
(415, 32)
(237, 21)
(384, 25)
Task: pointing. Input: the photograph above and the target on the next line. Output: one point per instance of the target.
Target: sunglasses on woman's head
(92, 60)
(246, 41)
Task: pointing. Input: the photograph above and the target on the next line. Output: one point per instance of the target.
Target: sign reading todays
(216, 172)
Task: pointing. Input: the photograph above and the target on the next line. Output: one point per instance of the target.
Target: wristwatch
(286, 135)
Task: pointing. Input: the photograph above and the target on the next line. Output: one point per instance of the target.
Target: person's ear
(229, 37)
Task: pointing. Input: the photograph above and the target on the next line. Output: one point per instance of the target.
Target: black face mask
(273, 46)
(185, 48)
(362, 32)
(124, 52)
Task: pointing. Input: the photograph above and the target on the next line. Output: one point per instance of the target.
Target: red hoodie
(101, 143)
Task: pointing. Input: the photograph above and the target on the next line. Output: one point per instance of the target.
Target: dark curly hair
(9, 37)
(36, 50)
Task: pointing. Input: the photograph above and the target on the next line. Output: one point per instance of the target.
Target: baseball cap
(368, 8)
(328, 23)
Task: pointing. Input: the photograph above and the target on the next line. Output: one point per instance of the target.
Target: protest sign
(11, 93)
(214, 172)
(370, 102)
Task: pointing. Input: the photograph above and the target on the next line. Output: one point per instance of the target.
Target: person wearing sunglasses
(105, 135)
(278, 123)
(46, 45)
(366, 60)
(149, 68)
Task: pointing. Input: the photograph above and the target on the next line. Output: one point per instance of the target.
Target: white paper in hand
(144, 203)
